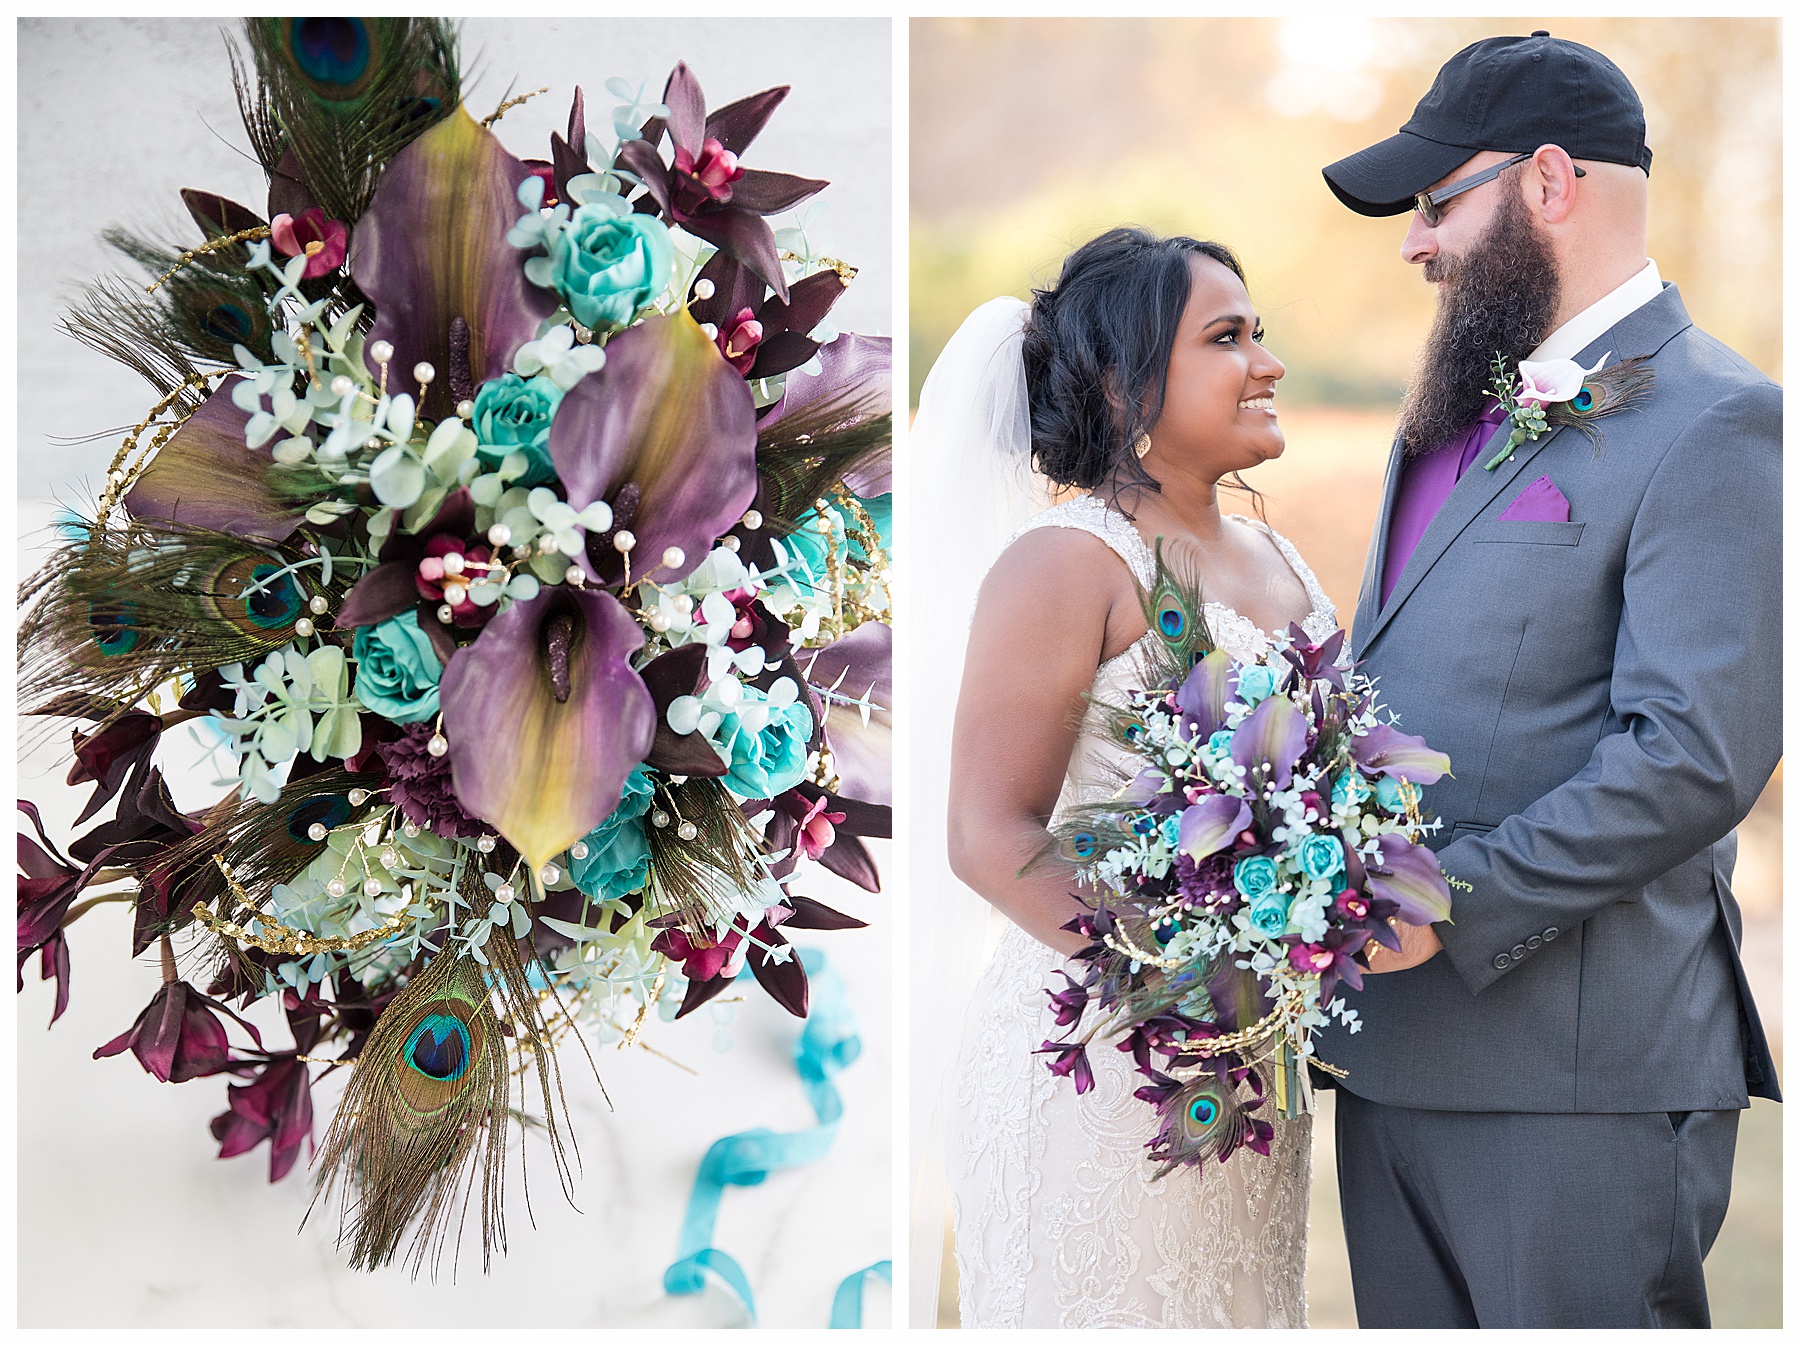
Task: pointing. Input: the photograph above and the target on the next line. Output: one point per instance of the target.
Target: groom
(1538, 1123)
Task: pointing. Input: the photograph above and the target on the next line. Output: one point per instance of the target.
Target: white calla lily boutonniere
(1545, 393)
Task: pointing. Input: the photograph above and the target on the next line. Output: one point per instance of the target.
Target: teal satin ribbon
(828, 1042)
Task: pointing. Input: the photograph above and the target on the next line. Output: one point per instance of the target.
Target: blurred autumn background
(1030, 136)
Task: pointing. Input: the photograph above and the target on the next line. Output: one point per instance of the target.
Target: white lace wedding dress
(1058, 1223)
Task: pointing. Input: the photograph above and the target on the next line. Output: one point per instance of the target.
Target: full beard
(1498, 298)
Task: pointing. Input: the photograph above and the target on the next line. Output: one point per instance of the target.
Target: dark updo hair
(1096, 353)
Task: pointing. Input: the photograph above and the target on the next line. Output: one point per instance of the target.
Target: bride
(1139, 382)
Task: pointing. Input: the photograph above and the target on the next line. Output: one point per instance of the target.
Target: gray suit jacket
(1609, 693)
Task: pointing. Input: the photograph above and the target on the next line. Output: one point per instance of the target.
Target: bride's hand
(1418, 944)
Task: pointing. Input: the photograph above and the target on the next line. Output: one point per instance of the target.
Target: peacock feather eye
(332, 54)
(439, 1047)
(1583, 400)
(1203, 1112)
(1144, 824)
(115, 627)
(331, 810)
(275, 600)
(1084, 845)
(230, 322)
(1172, 622)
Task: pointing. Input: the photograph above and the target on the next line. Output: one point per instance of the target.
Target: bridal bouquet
(1271, 831)
(517, 530)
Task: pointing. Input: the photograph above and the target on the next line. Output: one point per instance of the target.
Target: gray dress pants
(1516, 1219)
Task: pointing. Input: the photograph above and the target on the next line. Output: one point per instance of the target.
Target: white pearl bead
(438, 746)
(624, 540)
(504, 893)
(753, 519)
(704, 289)
(445, 613)
(453, 563)
(465, 409)
(550, 875)
(659, 819)
(674, 558)
(342, 386)
(712, 333)
(317, 603)
(687, 831)
(411, 829)
(390, 857)
(658, 622)
(684, 604)
(548, 545)
(485, 845)
(317, 832)
(381, 351)
(731, 542)
(454, 594)
(358, 797)
(579, 851)
(575, 575)
(499, 535)
(336, 888)
(423, 372)
(303, 627)
(372, 888)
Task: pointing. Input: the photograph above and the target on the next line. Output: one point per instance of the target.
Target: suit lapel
(1368, 600)
(1645, 331)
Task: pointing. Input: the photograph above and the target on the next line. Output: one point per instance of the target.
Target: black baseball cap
(1511, 94)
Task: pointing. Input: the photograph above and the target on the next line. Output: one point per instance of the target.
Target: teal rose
(1255, 684)
(397, 671)
(1269, 915)
(1349, 788)
(1219, 745)
(761, 763)
(1388, 795)
(606, 267)
(1319, 856)
(1171, 830)
(1254, 876)
(618, 853)
(513, 415)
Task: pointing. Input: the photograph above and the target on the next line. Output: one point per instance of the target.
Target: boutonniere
(1544, 393)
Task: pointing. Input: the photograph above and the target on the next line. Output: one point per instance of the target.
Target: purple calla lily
(205, 477)
(545, 718)
(668, 417)
(842, 676)
(1409, 877)
(1271, 737)
(1385, 751)
(1203, 693)
(1210, 824)
(432, 248)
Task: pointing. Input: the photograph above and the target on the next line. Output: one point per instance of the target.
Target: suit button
(1550, 933)
(1533, 942)
(1502, 962)
(1518, 952)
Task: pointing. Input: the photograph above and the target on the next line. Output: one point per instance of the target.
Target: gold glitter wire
(510, 104)
(118, 476)
(845, 272)
(643, 1015)
(278, 938)
(211, 245)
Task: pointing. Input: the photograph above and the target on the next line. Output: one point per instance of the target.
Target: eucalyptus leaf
(397, 477)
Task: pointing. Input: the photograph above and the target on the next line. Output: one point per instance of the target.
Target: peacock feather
(342, 97)
(1202, 1119)
(425, 1118)
(698, 876)
(1174, 612)
(1603, 392)
(799, 457)
(119, 612)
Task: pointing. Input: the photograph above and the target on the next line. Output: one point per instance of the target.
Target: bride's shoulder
(1067, 549)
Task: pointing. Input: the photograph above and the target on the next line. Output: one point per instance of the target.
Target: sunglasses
(1427, 203)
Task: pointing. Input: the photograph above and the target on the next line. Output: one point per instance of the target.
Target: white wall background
(125, 1218)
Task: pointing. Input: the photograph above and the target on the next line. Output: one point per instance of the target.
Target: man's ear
(1551, 184)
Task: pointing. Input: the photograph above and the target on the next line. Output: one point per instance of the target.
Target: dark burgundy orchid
(1332, 957)
(761, 334)
(48, 883)
(1316, 663)
(178, 1037)
(710, 968)
(1068, 1005)
(706, 191)
(108, 755)
(1071, 1062)
(276, 1106)
(701, 962)
(437, 582)
(309, 234)
(813, 822)
(393, 585)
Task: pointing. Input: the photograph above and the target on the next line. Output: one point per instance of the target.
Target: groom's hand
(1418, 943)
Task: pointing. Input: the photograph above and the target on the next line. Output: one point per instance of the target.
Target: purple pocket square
(1539, 502)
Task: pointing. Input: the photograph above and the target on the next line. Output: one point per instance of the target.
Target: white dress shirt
(1573, 337)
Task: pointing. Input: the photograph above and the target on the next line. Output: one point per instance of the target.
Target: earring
(1141, 445)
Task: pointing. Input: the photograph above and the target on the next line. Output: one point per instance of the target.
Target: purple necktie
(1425, 484)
